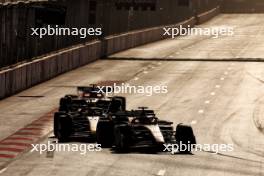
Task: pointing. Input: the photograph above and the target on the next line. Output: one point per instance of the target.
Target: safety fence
(23, 76)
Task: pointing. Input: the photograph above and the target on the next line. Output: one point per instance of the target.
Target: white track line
(201, 111)
(207, 102)
(161, 172)
(193, 122)
(136, 78)
(3, 170)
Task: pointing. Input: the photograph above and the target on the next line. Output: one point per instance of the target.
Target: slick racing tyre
(56, 121)
(185, 136)
(121, 140)
(64, 128)
(104, 133)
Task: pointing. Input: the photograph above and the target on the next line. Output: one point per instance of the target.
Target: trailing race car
(78, 115)
(85, 95)
(139, 128)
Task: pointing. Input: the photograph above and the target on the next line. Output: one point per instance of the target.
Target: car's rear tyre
(121, 140)
(55, 122)
(104, 133)
(185, 136)
(64, 128)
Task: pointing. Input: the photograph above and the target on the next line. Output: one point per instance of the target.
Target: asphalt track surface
(222, 100)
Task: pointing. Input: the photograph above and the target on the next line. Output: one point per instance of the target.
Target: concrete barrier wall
(202, 18)
(29, 74)
(129, 40)
(26, 75)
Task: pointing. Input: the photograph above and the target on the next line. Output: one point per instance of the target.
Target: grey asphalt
(222, 100)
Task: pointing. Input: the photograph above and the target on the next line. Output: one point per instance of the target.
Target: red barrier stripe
(19, 139)
(15, 143)
(7, 156)
(27, 133)
(34, 129)
(9, 149)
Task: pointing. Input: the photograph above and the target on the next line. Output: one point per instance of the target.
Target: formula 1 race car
(85, 95)
(140, 128)
(78, 115)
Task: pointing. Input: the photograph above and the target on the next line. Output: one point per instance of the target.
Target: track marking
(161, 172)
(193, 122)
(7, 156)
(27, 133)
(136, 78)
(207, 102)
(213, 93)
(10, 149)
(145, 72)
(18, 142)
(201, 111)
(19, 139)
(15, 144)
(217, 86)
(3, 170)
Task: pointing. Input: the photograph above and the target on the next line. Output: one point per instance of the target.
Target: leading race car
(78, 115)
(140, 128)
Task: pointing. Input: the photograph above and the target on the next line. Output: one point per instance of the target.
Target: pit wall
(26, 75)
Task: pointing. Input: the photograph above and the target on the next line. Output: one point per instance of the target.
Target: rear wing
(94, 88)
(88, 89)
(104, 90)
